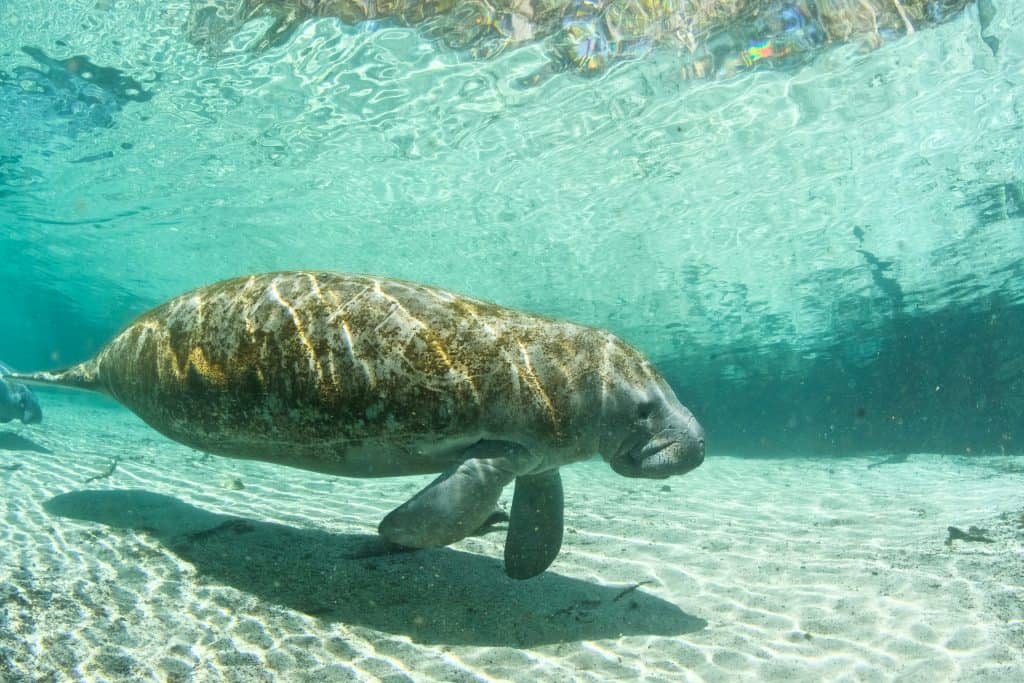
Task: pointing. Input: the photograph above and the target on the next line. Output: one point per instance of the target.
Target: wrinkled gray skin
(360, 376)
(17, 402)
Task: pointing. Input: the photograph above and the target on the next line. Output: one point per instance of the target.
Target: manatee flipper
(458, 502)
(535, 529)
(498, 516)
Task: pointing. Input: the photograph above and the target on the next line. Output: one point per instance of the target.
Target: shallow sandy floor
(781, 569)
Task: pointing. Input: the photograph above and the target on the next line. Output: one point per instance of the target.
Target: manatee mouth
(651, 456)
(660, 459)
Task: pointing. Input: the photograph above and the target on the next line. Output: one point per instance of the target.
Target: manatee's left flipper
(535, 529)
(458, 502)
(498, 516)
(453, 506)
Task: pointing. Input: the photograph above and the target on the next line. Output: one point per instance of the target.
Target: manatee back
(297, 358)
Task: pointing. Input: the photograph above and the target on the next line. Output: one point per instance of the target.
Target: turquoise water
(824, 255)
(852, 225)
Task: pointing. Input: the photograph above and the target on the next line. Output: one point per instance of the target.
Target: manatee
(17, 402)
(364, 376)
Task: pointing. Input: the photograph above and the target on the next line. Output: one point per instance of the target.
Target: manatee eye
(645, 410)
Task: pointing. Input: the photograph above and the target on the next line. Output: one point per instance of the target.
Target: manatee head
(17, 402)
(663, 438)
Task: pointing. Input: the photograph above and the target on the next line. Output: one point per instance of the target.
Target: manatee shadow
(436, 596)
(9, 441)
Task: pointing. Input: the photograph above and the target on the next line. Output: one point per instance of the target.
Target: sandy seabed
(184, 567)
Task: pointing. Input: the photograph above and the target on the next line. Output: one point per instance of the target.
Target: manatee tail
(82, 376)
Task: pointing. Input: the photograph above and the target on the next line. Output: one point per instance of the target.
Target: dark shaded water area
(947, 382)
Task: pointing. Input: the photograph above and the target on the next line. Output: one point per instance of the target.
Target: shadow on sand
(9, 441)
(433, 596)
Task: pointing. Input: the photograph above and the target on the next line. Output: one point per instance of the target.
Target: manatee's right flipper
(459, 501)
(535, 529)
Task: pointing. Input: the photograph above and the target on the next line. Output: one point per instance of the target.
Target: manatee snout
(674, 445)
(17, 402)
(673, 452)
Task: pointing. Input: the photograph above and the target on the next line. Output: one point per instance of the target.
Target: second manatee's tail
(82, 376)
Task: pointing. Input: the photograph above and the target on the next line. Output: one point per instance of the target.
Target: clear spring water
(853, 225)
(825, 258)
